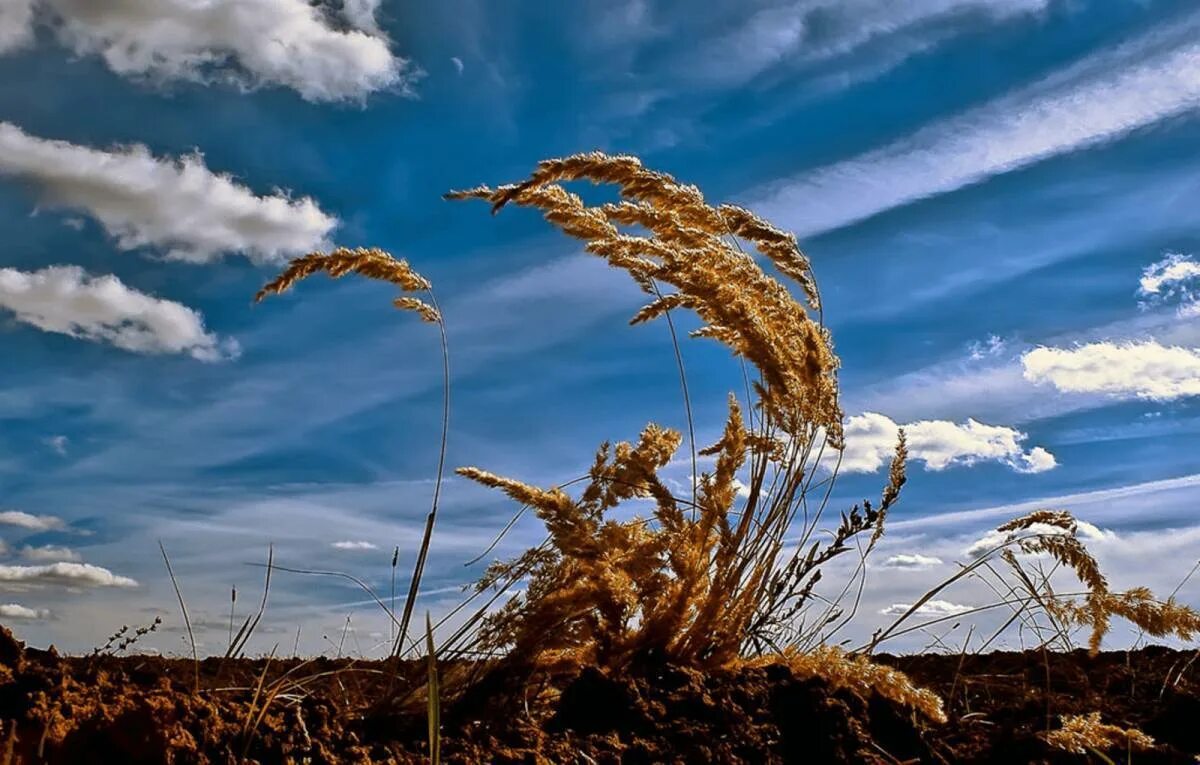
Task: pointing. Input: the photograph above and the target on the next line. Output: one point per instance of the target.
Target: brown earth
(143, 709)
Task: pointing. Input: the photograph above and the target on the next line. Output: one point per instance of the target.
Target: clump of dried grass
(1097, 607)
(1081, 734)
(705, 581)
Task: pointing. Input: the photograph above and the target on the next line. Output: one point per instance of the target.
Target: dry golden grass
(863, 677)
(372, 263)
(1080, 734)
(703, 580)
(726, 575)
(1100, 604)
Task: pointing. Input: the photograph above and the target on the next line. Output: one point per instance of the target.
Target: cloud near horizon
(65, 574)
(18, 611)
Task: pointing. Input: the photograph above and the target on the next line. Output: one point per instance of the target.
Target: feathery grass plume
(372, 263)
(1080, 734)
(710, 585)
(691, 247)
(862, 677)
(1054, 533)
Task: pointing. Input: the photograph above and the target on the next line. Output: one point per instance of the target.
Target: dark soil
(144, 709)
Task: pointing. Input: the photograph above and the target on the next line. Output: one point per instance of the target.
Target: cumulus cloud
(31, 522)
(1100, 99)
(50, 553)
(66, 300)
(993, 539)
(290, 43)
(911, 561)
(17, 611)
(871, 442)
(929, 608)
(1175, 277)
(64, 573)
(354, 545)
(176, 206)
(1144, 370)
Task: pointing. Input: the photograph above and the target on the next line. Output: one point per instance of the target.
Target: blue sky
(998, 197)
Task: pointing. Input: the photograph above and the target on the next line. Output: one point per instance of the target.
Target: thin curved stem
(687, 399)
(419, 567)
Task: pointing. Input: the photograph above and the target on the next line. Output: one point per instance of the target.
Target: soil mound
(144, 709)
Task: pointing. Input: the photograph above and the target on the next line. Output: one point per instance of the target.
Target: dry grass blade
(187, 621)
(238, 643)
(435, 702)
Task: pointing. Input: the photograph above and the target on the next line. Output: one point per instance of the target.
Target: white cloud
(910, 561)
(1145, 370)
(929, 608)
(57, 443)
(1175, 277)
(50, 553)
(994, 346)
(1100, 100)
(458, 64)
(361, 14)
(17, 611)
(31, 522)
(291, 43)
(16, 24)
(355, 545)
(871, 442)
(993, 539)
(66, 300)
(177, 206)
(63, 573)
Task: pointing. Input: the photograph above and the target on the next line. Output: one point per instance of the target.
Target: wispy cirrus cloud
(322, 55)
(940, 444)
(66, 300)
(176, 206)
(1101, 99)
(812, 30)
